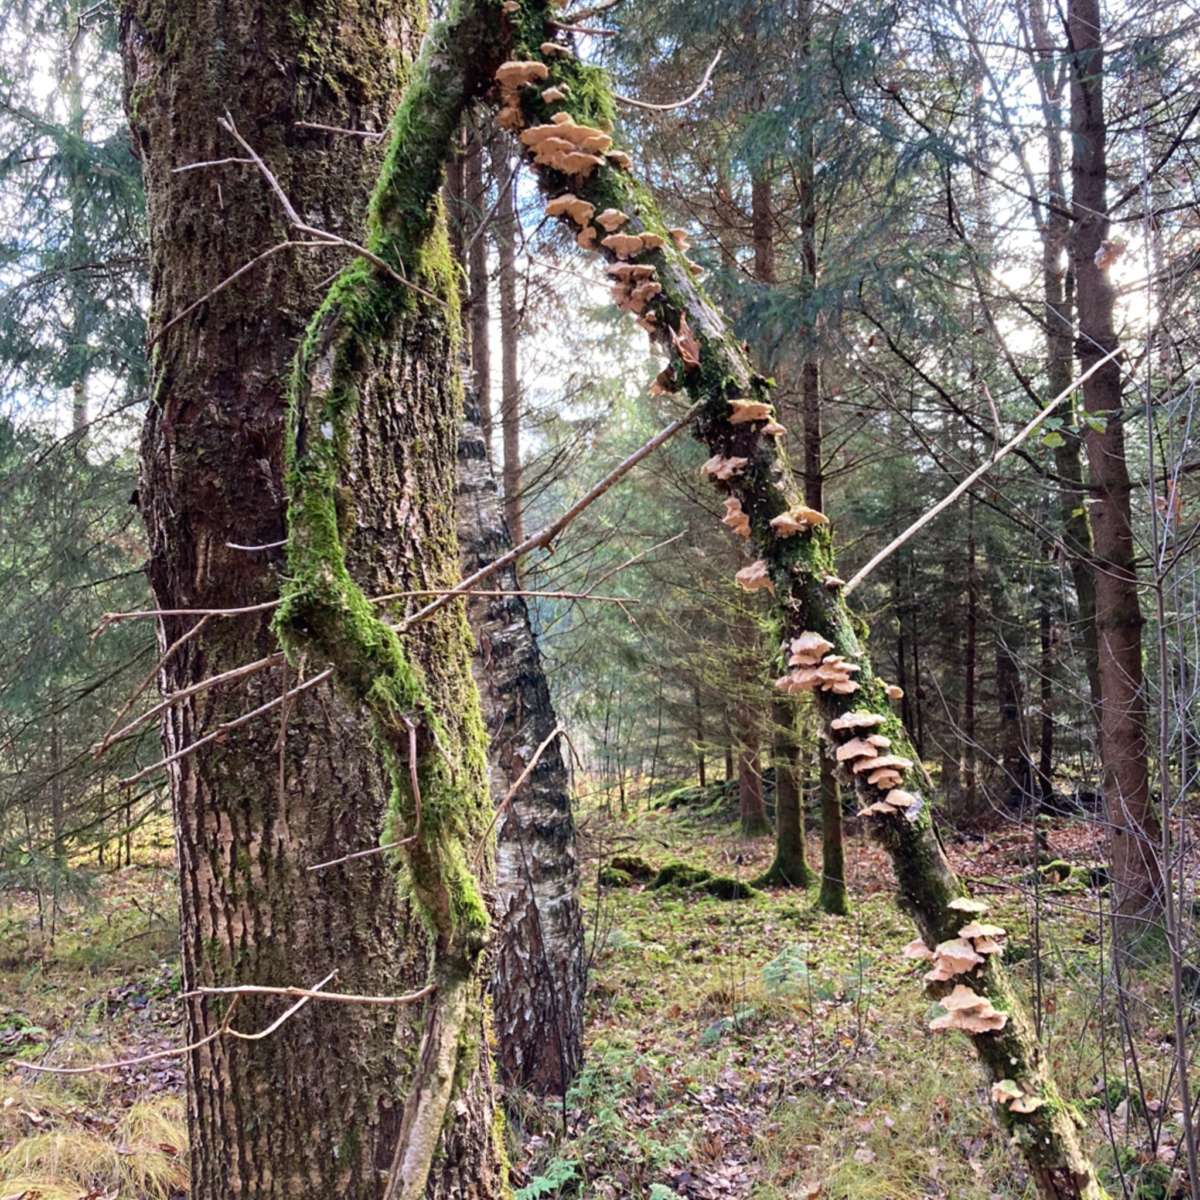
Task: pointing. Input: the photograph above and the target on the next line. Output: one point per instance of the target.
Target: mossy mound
(685, 877)
(633, 866)
(614, 877)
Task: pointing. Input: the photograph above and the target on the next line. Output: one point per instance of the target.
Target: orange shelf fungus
(754, 577)
(735, 518)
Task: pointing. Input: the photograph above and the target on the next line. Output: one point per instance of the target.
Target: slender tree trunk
(751, 809)
(1014, 746)
(790, 868)
(1058, 312)
(971, 669)
(834, 897)
(699, 710)
(1046, 703)
(538, 980)
(1133, 824)
(510, 391)
(479, 313)
(317, 1108)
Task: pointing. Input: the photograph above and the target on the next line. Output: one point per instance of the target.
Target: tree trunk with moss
(318, 1108)
(538, 977)
(709, 364)
(834, 898)
(790, 867)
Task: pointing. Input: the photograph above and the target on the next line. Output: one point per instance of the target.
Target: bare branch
(978, 473)
(712, 66)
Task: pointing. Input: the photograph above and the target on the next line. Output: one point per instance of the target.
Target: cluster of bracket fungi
(575, 151)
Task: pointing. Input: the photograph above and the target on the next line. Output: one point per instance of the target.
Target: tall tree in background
(320, 1107)
(1133, 825)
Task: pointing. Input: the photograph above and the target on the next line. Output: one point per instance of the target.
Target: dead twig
(712, 66)
(516, 787)
(545, 536)
(253, 989)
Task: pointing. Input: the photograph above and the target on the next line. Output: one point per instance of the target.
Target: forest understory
(752, 1047)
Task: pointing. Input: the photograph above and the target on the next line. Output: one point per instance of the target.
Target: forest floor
(750, 1048)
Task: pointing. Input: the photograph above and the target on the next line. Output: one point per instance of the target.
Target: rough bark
(539, 972)
(1133, 825)
(314, 1109)
(317, 1109)
(510, 384)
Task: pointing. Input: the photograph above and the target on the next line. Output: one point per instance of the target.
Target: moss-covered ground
(749, 1047)
(760, 1048)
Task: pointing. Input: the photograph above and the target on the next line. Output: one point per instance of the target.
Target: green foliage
(557, 1173)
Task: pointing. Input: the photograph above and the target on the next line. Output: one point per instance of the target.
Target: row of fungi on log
(576, 150)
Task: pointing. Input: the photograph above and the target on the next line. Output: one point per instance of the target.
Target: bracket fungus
(855, 748)
(894, 692)
(568, 204)
(735, 517)
(681, 239)
(720, 467)
(586, 238)
(755, 577)
(623, 245)
(653, 241)
(856, 720)
(968, 904)
(773, 429)
(1007, 1093)
(554, 50)
(745, 411)
(619, 158)
(916, 949)
(798, 520)
(552, 95)
(884, 760)
(611, 219)
(515, 73)
(970, 1012)
(808, 649)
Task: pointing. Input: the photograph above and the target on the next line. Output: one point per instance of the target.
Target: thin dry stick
(223, 729)
(284, 1016)
(516, 787)
(223, 1028)
(547, 535)
(220, 287)
(333, 862)
(226, 123)
(203, 685)
(253, 989)
(980, 471)
(109, 737)
(373, 134)
(712, 66)
(145, 614)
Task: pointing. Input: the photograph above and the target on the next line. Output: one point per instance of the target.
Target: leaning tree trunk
(1132, 822)
(318, 1108)
(538, 977)
(709, 363)
(508, 222)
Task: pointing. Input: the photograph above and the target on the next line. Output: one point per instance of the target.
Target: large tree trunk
(1133, 825)
(316, 1109)
(538, 980)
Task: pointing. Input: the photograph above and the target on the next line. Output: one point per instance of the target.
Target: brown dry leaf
(685, 343)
